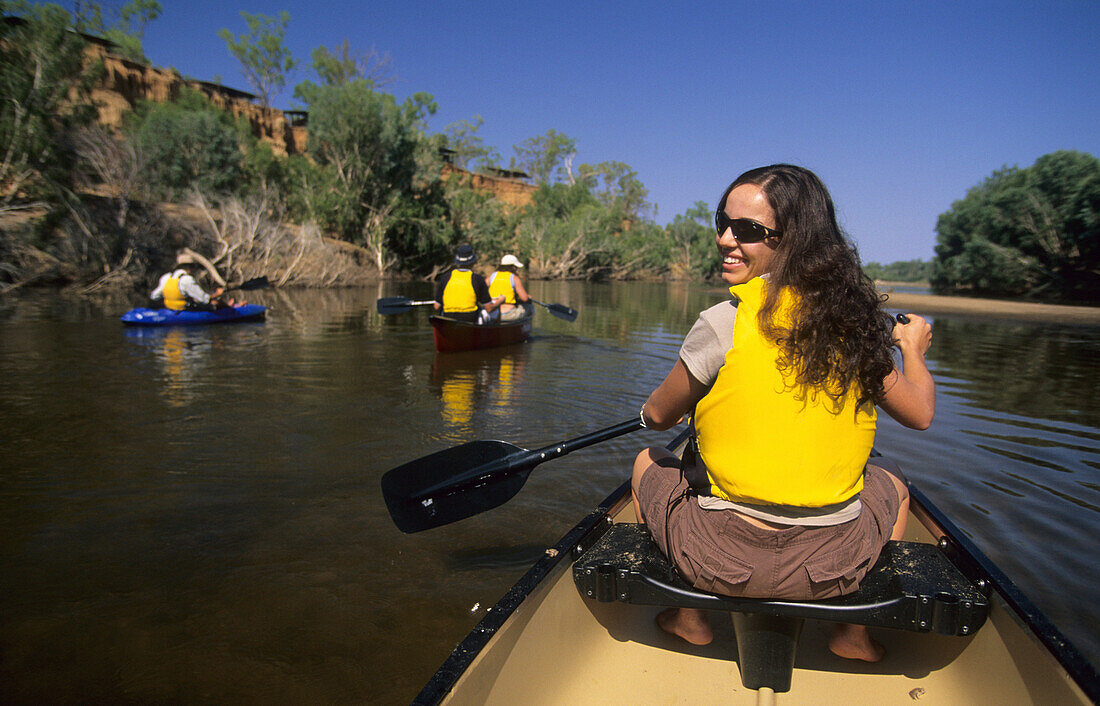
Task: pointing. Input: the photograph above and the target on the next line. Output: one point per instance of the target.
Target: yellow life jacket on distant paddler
(459, 296)
(766, 442)
(500, 286)
(174, 298)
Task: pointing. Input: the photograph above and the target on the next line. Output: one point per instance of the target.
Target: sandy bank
(1021, 311)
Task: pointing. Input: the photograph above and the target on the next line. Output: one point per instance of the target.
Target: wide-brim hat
(465, 255)
(511, 260)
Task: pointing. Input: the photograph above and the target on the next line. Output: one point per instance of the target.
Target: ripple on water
(199, 513)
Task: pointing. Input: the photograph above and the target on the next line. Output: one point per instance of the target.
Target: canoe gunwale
(452, 336)
(568, 548)
(981, 569)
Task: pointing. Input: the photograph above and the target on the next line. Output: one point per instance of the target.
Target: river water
(194, 515)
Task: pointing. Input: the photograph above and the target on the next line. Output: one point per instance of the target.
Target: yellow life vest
(502, 286)
(765, 443)
(174, 298)
(459, 296)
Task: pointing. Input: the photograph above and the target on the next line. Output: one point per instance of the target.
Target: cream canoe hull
(545, 644)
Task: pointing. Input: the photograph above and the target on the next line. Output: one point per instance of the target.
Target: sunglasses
(745, 230)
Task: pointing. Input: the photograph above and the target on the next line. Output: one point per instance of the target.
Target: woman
(780, 499)
(506, 283)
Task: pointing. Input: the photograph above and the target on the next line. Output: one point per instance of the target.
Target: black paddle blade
(393, 305)
(398, 305)
(454, 484)
(254, 283)
(560, 310)
(427, 493)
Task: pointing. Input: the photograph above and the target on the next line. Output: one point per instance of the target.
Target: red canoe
(451, 335)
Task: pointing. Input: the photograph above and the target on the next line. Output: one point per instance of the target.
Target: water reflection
(194, 515)
(181, 355)
(1047, 372)
(484, 381)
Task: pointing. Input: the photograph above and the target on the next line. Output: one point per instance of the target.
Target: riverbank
(986, 308)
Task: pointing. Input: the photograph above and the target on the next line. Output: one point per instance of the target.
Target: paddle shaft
(528, 460)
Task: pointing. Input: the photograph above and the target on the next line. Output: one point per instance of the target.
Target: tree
(374, 149)
(570, 234)
(1026, 232)
(342, 67)
(467, 145)
(265, 59)
(113, 162)
(617, 187)
(693, 236)
(335, 68)
(127, 30)
(481, 220)
(591, 225)
(644, 249)
(188, 145)
(547, 158)
(901, 271)
(45, 88)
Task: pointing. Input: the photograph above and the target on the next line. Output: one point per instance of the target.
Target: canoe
(168, 317)
(548, 641)
(452, 335)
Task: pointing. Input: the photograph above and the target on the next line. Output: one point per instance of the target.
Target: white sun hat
(511, 260)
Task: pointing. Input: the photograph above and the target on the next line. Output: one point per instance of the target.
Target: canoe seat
(912, 586)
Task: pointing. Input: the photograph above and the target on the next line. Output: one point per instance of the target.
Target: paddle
(254, 283)
(560, 310)
(248, 284)
(462, 481)
(398, 305)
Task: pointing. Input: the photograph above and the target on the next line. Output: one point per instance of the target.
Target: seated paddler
(781, 498)
(179, 289)
(463, 294)
(506, 283)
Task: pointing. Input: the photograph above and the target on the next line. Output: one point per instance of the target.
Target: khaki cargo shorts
(719, 552)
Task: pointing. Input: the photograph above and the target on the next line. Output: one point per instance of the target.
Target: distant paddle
(560, 310)
(248, 284)
(398, 305)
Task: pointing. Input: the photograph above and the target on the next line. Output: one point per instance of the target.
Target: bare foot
(686, 623)
(854, 642)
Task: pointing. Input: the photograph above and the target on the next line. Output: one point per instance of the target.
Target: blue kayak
(168, 317)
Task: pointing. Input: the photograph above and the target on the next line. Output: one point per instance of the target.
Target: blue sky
(899, 107)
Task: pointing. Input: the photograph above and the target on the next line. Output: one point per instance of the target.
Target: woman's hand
(915, 336)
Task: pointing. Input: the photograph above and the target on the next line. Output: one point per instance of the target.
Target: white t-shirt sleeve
(158, 293)
(705, 346)
(191, 288)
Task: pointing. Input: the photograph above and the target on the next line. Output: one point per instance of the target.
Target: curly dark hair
(838, 334)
